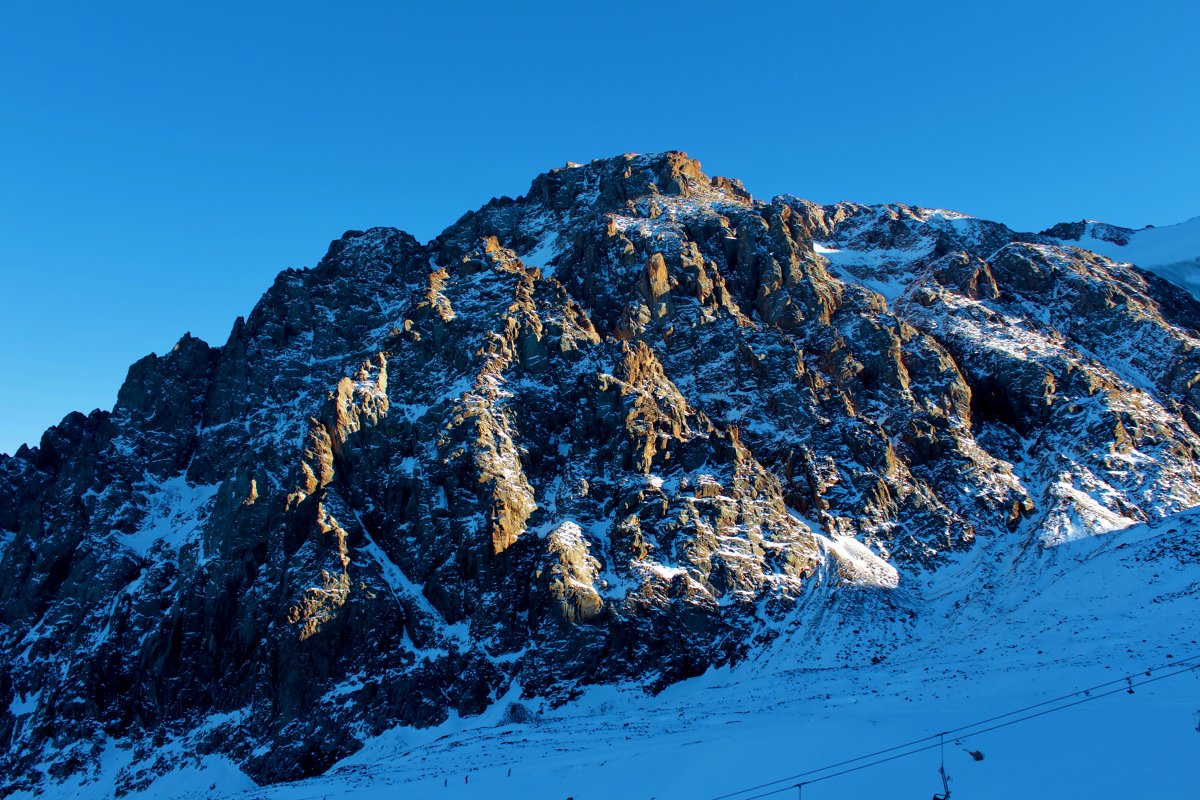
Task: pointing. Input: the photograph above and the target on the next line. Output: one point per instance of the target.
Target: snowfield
(1044, 622)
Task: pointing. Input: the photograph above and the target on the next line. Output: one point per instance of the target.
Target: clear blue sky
(161, 162)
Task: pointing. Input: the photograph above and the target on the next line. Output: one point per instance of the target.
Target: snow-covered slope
(1172, 251)
(1041, 626)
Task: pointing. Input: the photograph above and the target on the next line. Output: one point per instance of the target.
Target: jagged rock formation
(610, 430)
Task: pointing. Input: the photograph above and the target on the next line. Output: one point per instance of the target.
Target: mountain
(1172, 251)
(628, 429)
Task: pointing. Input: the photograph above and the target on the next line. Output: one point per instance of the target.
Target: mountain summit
(616, 430)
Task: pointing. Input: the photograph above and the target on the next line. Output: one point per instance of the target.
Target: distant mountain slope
(1172, 251)
(628, 428)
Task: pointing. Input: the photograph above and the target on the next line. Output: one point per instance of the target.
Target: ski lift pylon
(945, 795)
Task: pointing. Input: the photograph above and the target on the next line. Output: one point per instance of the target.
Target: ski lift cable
(1122, 680)
(1086, 699)
(966, 730)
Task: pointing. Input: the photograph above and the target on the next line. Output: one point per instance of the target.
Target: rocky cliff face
(613, 430)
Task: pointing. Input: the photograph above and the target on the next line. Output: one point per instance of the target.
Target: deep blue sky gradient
(159, 163)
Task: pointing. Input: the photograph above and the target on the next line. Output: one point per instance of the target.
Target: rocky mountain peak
(619, 429)
(619, 180)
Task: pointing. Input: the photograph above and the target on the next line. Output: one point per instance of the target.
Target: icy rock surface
(618, 430)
